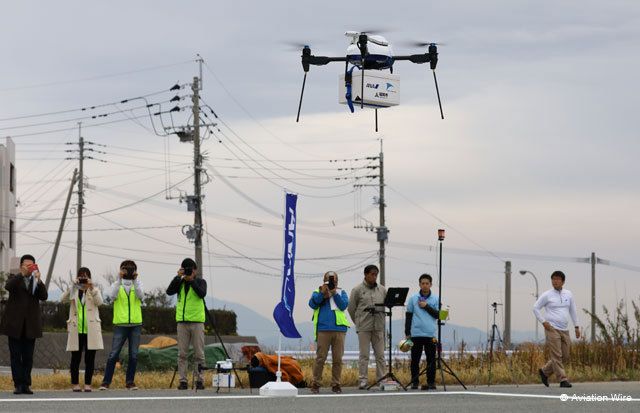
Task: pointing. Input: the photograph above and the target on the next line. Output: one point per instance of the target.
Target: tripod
(492, 339)
(440, 363)
(395, 297)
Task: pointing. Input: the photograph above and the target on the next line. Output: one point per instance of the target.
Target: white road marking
(256, 396)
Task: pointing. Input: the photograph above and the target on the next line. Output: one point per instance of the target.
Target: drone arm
(321, 60)
(415, 58)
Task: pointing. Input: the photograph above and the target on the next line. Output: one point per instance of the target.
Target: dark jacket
(22, 316)
(199, 286)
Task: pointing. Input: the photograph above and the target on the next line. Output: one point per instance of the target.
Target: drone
(370, 53)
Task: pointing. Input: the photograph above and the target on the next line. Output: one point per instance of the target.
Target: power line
(86, 79)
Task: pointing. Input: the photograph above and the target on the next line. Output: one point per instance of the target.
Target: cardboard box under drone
(380, 89)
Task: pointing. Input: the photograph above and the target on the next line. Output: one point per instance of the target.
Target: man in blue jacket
(421, 326)
(330, 327)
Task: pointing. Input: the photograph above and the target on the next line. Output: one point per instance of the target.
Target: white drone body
(378, 49)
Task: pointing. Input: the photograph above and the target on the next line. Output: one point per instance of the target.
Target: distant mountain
(264, 328)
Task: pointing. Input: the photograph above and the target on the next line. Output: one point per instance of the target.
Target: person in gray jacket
(369, 321)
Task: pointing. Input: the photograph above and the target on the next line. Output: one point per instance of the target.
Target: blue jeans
(120, 335)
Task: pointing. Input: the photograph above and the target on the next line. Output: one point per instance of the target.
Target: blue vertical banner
(283, 313)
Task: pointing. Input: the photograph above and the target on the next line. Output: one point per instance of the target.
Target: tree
(157, 298)
(3, 293)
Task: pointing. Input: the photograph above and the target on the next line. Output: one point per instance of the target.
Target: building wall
(8, 190)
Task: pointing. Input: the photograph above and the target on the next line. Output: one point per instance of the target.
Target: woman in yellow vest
(83, 327)
(190, 316)
(127, 295)
(330, 327)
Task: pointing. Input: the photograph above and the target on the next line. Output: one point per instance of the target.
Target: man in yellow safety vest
(190, 316)
(330, 327)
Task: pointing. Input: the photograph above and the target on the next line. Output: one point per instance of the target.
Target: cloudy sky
(537, 154)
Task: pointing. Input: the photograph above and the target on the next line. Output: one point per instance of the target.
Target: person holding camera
(330, 328)
(369, 321)
(190, 316)
(83, 326)
(559, 305)
(22, 320)
(421, 327)
(127, 295)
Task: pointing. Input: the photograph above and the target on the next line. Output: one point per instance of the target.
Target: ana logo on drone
(390, 87)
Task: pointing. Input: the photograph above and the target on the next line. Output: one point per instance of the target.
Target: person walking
(330, 328)
(127, 295)
(558, 305)
(22, 320)
(190, 316)
(369, 322)
(83, 327)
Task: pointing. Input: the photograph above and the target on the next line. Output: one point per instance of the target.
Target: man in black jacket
(190, 316)
(22, 320)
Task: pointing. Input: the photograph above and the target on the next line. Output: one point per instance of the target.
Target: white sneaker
(363, 384)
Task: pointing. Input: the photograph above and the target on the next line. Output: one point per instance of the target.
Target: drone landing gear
(304, 81)
(376, 119)
(435, 79)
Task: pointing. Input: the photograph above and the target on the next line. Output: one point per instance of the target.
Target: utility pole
(81, 185)
(382, 231)
(80, 195)
(197, 166)
(507, 304)
(59, 236)
(593, 297)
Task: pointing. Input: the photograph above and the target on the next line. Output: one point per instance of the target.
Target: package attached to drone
(380, 89)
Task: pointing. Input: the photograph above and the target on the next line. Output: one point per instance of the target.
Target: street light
(524, 272)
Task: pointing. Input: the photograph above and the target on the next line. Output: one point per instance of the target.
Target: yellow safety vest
(82, 316)
(341, 319)
(127, 309)
(190, 307)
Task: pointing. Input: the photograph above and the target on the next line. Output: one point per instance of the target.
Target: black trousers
(21, 351)
(429, 347)
(89, 361)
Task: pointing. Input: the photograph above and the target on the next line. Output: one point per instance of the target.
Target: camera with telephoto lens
(332, 283)
(129, 271)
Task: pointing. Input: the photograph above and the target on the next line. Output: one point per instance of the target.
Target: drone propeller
(421, 44)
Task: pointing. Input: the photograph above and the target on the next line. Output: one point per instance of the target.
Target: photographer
(330, 328)
(190, 316)
(421, 326)
(127, 294)
(83, 326)
(369, 321)
(22, 320)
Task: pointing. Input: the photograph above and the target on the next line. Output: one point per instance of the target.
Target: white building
(7, 204)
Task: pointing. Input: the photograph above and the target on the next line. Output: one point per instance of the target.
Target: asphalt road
(527, 398)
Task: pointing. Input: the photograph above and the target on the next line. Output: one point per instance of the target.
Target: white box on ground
(224, 380)
(279, 389)
(380, 89)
